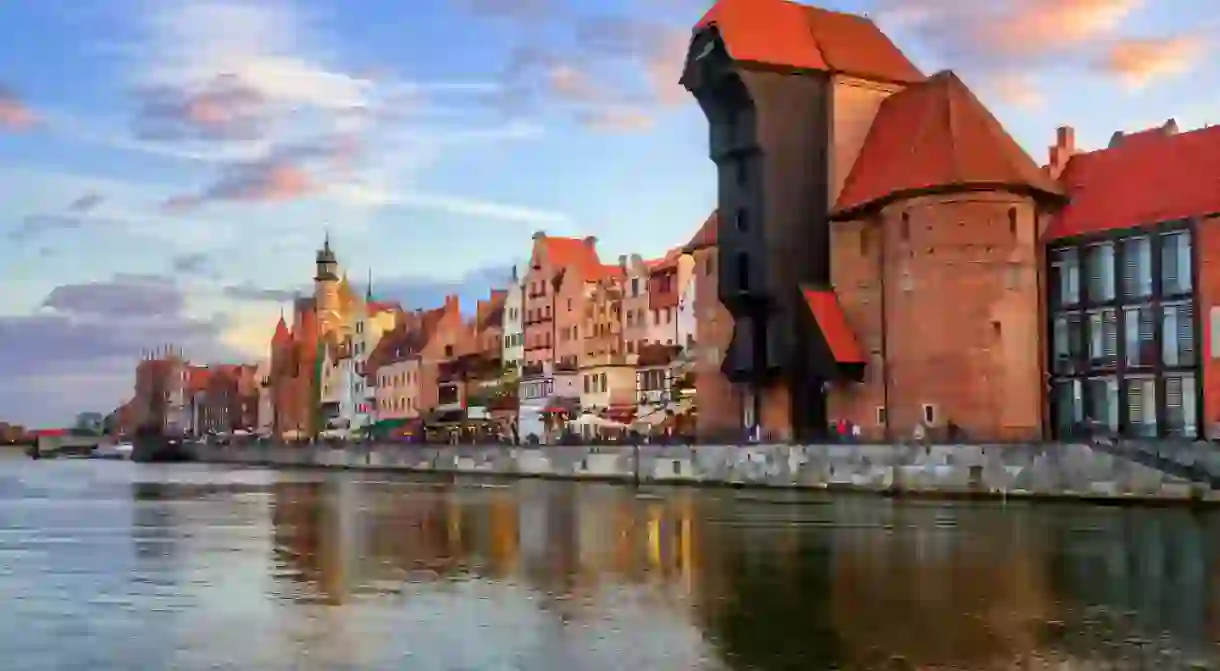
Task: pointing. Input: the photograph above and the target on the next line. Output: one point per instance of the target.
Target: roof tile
(787, 34)
(1147, 178)
(934, 135)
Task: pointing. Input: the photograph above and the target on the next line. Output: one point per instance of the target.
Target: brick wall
(719, 406)
(961, 311)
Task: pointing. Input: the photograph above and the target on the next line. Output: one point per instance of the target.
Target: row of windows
(1080, 405)
(397, 404)
(595, 383)
(1122, 271)
(1090, 338)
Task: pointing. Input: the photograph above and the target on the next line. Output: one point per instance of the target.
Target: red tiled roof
(1145, 178)
(282, 334)
(574, 253)
(787, 34)
(824, 305)
(707, 234)
(197, 378)
(935, 135)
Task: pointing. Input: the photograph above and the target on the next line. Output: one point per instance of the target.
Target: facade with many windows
(1123, 333)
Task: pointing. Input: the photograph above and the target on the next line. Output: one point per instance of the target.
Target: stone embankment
(1046, 471)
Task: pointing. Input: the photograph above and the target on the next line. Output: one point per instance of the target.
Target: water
(111, 565)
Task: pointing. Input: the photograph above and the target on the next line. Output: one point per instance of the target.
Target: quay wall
(1049, 471)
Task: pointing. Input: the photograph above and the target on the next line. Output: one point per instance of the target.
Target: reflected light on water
(120, 566)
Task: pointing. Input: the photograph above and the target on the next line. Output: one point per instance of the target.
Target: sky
(168, 167)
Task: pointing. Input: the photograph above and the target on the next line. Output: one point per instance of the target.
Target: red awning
(824, 305)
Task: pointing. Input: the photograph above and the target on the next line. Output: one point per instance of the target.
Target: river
(112, 565)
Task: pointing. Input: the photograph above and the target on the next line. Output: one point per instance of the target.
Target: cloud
(76, 215)
(122, 296)
(1137, 62)
(1017, 89)
(78, 351)
(86, 203)
(372, 196)
(425, 292)
(249, 292)
(223, 108)
(250, 87)
(622, 64)
(1001, 32)
(15, 114)
(193, 263)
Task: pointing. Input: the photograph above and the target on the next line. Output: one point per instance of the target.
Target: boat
(153, 444)
(118, 452)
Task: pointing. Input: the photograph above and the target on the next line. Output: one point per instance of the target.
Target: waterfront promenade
(1184, 472)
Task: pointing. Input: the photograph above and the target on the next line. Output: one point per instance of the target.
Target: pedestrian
(855, 433)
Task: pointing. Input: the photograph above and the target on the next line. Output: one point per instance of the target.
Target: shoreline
(1064, 473)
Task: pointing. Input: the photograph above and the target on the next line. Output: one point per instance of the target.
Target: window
(569, 305)
(635, 287)
(1012, 221)
(1065, 277)
(741, 170)
(1101, 401)
(448, 350)
(1099, 265)
(743, 272)
(929, 414)
(1137, 267)
(905, 230)
(880, 415)
(1176, 263)
(587, 384)
(1178, 335)
(1103, 338)
(1181, 412)
(1141, 406)
(1067, 342)
(742, 219)
(1139, 341)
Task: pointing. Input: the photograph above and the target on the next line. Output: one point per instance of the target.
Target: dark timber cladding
(761, 71)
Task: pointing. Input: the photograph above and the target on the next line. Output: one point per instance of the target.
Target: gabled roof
(1144, 178)
(707, 234)
(785, 34)
(572, 253)
(282, 334)
(931, 136)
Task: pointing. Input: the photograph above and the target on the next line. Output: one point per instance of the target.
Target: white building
(266, 407)
(687, 336)
(367, 328)
(514, 324)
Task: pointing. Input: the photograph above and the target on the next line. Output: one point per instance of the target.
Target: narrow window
(743, 272)
(929, 414)
(743, 221)
(905, 231)
(1012, 221)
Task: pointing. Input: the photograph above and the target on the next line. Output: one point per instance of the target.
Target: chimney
(1170, 127)
(538, 235)
(591, 241)
(1062, 151)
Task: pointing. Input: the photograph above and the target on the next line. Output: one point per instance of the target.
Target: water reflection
(193, 568)
(767, 584)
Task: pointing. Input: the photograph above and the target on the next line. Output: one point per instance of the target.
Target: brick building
(922, 269)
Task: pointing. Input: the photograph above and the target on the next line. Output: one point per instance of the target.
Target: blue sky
(168, 166)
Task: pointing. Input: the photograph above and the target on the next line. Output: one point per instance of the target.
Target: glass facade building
(1124, 334)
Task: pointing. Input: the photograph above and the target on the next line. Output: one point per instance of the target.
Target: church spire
(368, 288)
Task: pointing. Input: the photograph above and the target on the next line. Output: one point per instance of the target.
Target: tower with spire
(326, 283)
